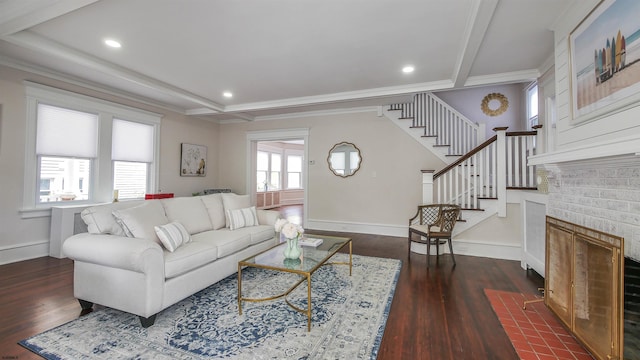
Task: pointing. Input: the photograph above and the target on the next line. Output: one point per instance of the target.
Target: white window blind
(132, 141)
(65, 132)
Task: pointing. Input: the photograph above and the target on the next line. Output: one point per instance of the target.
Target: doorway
(278, 186)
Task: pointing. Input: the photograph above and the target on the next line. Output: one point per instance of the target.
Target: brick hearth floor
(535, 333)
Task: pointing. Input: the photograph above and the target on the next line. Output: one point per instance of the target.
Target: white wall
(467, 102)
(380, 197)
(22, 238)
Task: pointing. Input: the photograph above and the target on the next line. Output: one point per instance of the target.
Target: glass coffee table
(312, 259)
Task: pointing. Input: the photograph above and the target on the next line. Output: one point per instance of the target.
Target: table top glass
(311, 258)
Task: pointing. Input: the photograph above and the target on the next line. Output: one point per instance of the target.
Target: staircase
(478, 173)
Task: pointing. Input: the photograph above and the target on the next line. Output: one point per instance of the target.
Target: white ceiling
(279, 56)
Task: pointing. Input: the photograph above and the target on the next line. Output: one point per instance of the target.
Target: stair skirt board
(474, 248)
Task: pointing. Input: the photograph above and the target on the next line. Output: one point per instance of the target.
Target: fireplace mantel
(625, 149)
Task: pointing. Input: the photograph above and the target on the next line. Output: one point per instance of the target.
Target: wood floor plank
(439, 312)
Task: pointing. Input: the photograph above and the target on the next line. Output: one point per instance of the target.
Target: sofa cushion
(188, 257)
(226, 241)
(189, 211)
(215, 208)
(233, 201)
(172, 235)
(240, 218)
(262, 233)
(139, 221)
(100, 220)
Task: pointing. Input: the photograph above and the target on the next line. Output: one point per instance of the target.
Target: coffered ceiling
(279, 56)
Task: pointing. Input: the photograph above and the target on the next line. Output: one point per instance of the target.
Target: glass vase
(292, 250)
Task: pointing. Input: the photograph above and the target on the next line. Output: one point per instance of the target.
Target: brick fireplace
(604, 194)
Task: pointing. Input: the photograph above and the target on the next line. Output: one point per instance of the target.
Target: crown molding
(72, 80)
(503, 78)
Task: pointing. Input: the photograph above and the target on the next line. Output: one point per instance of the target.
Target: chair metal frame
(434, 223)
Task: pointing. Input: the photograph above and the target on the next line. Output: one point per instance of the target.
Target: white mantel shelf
(625, 149)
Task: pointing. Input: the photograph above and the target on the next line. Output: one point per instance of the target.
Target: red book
(158, 196)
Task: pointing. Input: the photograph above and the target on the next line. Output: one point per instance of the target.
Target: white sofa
(132, 260)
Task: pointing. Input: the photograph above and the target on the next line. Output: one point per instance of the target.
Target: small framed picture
(193, 161)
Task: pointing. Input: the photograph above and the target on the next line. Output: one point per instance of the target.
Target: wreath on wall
(486, 105)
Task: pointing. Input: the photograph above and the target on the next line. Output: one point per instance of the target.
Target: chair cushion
(189, 211)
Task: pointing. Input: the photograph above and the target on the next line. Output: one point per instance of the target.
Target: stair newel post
(501, 170)
(427, 186)
(538, 145)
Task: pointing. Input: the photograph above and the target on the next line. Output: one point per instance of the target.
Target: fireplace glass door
(558, 280)
(595, 297)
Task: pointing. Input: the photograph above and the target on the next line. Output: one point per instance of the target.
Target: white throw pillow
(100, 219)
(140, 221)
(233, 201)
(188, 211)
(240, 218)
(215, 208)
(172, 235)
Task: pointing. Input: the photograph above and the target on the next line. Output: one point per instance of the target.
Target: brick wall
(602, 195)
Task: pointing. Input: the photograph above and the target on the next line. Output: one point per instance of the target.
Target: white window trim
(102, 170)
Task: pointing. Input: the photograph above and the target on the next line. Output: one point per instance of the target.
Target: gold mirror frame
(345, 148)
(502, 107)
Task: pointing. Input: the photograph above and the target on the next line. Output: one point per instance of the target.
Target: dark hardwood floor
(437, 313)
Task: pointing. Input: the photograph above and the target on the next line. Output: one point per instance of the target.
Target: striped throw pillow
(240, 218)
(173, 235)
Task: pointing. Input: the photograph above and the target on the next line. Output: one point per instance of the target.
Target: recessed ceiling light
(112, 43)
(408, 69)
(227, 94)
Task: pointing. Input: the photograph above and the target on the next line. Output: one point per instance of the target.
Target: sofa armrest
(268, 217)
(115, 251)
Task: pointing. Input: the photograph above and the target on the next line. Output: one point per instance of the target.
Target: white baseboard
(474, 248)
(360, 228)
(15, 253)
(460, 246)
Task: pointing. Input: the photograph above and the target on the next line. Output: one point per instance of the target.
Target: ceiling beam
(18, 15)
(48, 47)
(477, 26)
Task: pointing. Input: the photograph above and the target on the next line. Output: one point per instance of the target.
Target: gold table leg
(239, 289)
(309, 303)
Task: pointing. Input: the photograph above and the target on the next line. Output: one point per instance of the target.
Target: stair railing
(442, 122)
(486, 172)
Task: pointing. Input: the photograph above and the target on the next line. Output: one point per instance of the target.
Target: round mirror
(344, 159)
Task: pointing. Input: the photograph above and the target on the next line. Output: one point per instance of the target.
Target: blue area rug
(349, 316)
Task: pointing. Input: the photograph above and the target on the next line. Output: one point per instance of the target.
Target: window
(131, 152)
(276, 167)
(269, 168)
(263, 170)
(79, 149)
(62, 164)
(294, 171)
(532, 106)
